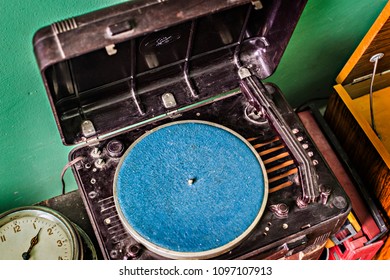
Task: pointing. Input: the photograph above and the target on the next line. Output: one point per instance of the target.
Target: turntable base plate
(190, 189)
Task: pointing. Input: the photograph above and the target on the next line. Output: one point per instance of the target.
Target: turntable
(186, 153)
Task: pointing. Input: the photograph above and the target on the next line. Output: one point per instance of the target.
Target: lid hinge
(173, 114)
(361, 79)
(92, 141)
(367, 77)
(89, 133)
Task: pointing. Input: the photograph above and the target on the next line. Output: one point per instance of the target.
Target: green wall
(31, 152)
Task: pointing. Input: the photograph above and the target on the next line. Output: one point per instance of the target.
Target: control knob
(115, 148)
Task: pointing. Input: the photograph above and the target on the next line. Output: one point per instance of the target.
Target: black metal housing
(112, 66)
(114, 74)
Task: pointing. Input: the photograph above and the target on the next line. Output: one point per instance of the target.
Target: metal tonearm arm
(256, 94)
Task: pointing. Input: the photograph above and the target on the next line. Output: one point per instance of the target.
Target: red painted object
(354, 249)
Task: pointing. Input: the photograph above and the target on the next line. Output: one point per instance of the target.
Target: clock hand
(33, 242)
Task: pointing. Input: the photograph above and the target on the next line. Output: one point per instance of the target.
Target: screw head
(339, 202)
(100, 163)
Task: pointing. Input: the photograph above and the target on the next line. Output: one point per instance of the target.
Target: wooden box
(348, 112)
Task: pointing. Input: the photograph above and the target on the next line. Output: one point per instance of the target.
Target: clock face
(36, 234)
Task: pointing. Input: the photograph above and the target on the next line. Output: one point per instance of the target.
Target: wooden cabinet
(349, 115)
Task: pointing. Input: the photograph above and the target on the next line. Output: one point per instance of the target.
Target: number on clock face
(52, 240)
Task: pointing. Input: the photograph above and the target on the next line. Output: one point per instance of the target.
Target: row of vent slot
(280, 166)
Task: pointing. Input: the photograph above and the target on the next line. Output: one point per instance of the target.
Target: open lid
(377, 40)
(123, 65)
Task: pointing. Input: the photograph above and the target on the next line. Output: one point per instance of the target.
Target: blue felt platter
(190, 189)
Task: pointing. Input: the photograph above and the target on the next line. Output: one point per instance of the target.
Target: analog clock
(38, 233)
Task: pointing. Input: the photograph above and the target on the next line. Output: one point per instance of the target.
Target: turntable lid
(111, 67)
(190, 189)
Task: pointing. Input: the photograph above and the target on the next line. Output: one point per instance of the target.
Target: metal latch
(257, 4)
(169, 100)
(89, 132)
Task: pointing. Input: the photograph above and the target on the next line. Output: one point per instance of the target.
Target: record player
(185, 153)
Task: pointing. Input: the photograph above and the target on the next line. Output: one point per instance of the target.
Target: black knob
(115, 148)
(133, 251)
